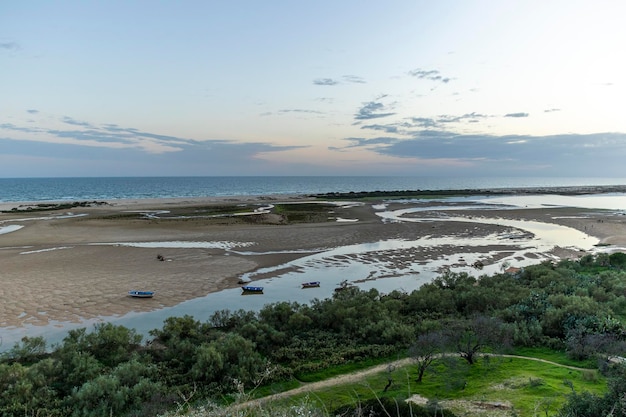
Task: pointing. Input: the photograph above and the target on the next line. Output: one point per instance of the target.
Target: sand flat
(70, 268)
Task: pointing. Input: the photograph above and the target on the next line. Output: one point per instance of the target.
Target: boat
(247, 289)
(141, 294)
(311, 284)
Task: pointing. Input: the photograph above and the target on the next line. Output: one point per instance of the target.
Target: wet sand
(70, 269)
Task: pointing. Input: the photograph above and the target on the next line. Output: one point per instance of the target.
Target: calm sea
(82, 189)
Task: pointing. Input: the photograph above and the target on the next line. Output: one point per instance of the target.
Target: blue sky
(438, 88)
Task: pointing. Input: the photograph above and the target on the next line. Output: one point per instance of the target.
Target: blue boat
(247, 289)
(141, 294)
(311, 284)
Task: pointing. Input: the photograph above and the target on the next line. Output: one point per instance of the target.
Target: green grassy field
(501, 385)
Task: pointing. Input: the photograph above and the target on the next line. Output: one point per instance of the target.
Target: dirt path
(359, 375)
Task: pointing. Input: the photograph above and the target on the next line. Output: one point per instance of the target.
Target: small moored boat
(311, 284)
(247, 289)
(141, 294)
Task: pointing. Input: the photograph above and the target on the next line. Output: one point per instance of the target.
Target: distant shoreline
(564, 190)
(152, 188)
(7, 206)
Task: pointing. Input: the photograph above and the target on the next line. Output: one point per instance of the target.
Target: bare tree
(425, 350)
(469, 338)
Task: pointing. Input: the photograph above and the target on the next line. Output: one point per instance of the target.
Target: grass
(345, 369)
(265, 390)
(305, 212)
(526, 386)
(554, 356)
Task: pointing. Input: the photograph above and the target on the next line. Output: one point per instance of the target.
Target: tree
(612, 403)
(469, 338)
(30, 350)
(425, 350)
(126, 388)
(618, 259)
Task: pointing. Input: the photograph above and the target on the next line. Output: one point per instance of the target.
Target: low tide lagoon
(386, 264)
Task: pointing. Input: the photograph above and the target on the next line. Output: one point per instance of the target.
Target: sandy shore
(77, 267)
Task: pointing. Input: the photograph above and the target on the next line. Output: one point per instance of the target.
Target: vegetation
(53, 206)
(465, 192)
(448, 326)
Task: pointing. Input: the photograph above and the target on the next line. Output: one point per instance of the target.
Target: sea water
(96, 188)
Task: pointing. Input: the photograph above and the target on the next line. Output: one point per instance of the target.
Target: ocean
(113, 188)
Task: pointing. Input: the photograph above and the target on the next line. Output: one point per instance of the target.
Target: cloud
(516, 115)
(194, 158)
(551, 110)
(9, 46)
(66, 146)
(291, 111)
(384, 128)
(431, 75)
(325, 81)
(424, 122)
(114, 138)
(370, 111)
(562, 155)
(468, 117)
(353, 79)
(441, 120)
(32, 111)
(285, 111)
(70, 121)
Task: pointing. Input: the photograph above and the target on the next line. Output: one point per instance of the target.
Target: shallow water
(609, 201)
(386, 265)
(10, 228)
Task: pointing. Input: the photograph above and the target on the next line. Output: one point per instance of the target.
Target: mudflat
(79, 263)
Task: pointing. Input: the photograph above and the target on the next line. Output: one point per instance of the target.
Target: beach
(68, 265)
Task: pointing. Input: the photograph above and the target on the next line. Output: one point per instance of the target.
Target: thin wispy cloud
(71, 121)
(442, 120)
(305, 111)
(431, 75)
(516, 115)
(9, 46)
(424, 122)
(353, 79)
(467, 117)
(113, 137)
(345, 79)
(292, 111)
(325, 81)
(372, 110)
(383, 128)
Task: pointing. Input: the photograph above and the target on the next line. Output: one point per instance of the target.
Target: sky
(344, 87)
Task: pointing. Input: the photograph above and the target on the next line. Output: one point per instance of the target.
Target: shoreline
(78, 268)
(497, 191)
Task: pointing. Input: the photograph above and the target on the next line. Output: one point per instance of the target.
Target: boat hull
(252, 290)
(141, 294)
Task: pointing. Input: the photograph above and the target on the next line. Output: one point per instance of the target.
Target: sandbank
(71, 265)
